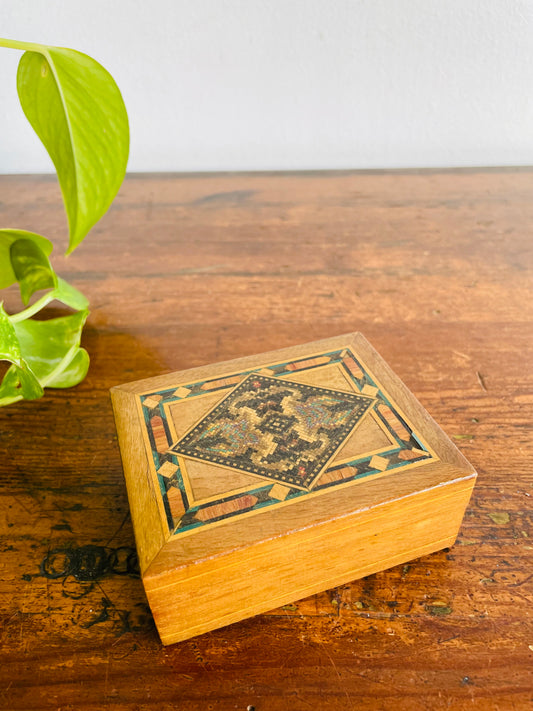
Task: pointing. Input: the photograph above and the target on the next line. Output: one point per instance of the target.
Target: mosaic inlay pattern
(276, 429)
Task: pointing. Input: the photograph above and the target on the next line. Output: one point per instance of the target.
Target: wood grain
(435, 268)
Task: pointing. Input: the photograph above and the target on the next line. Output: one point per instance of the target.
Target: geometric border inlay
(184, 515)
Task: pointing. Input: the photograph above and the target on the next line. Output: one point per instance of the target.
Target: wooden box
(259, 481)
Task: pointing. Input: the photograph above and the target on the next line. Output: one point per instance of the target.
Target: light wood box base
(257, 482)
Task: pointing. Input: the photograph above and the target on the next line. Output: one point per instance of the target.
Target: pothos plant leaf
(69, 295)
(19, 381)
(49, 347)
(42, 353)
(76, 109)
(32, 268)
(7, 237)
(34, 272)
(9, 345)
(71, 373)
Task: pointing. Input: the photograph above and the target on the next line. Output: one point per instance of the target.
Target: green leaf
(42, 353)
(34, 271)
(7, 237)
(9, 343)
(76, 109)
(10, 387)
(50, 346)
(19, 381)
(70, 296)
(32, 268)
(73, 373)
(28, 386)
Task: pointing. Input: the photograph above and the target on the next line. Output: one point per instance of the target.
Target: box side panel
(222, 591)
(246, 534)
(149, 534)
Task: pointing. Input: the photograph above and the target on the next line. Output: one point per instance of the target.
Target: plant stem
(24, 46)
(34, 308)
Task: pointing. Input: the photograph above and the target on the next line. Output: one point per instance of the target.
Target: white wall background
(289, 84)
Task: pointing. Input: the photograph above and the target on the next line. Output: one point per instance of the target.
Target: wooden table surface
(435, 268)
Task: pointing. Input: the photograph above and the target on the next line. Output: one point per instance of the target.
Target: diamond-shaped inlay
(379, 463)
(167, 470)
(182, 392)
(276, 429)
(279, 492)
